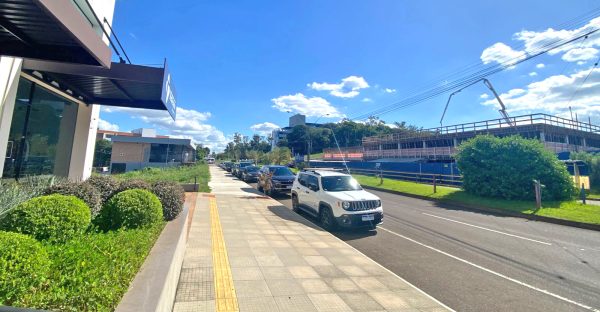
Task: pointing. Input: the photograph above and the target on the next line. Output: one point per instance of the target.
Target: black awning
(54, 30)
(123, 85)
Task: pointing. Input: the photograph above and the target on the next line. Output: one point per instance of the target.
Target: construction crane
(488, 84)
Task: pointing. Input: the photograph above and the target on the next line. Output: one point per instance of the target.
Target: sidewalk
(247, 252)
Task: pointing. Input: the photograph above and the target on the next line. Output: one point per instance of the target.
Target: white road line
(494, 272)
(484, 228)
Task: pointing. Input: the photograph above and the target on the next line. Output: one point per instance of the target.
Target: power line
(481, 71)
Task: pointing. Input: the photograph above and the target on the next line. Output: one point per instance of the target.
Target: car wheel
(295, 203)
(326, 218)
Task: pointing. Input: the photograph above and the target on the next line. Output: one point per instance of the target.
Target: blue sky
(239, 66)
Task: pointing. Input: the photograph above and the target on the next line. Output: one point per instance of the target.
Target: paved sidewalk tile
(280, 261)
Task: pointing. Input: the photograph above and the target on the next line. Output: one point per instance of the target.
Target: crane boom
(488, 84)
(502, 110)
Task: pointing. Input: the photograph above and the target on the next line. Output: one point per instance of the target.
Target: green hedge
(130, 209)
(107, 186)
(24, 267)
(83, 191)
(55, 218)
(506, 167)
(171, 196)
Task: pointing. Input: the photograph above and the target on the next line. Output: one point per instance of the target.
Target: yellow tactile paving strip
(225, 298)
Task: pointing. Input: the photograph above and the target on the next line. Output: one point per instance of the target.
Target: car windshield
(340, 183)
(251, 169)
(281, 171)
(242, 165)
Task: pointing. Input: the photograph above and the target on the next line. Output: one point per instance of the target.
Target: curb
(155, 284)
(581, 225)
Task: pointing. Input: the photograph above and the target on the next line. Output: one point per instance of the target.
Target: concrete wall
(84, 142)
(125, 152)
(10, 68)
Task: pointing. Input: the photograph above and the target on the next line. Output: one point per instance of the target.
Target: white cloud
(540, 66)
(189, 124)
(580, 54)
(532, 74)
(264, 128)
(555, 94)
(105, 125)
(366, 100)
(484, 96)
(388, 90)
(311, 107)
(534, 41)
(501, 53)
(348, 88)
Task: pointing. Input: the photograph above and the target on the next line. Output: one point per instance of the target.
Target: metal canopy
(54, 30)
(123, 85)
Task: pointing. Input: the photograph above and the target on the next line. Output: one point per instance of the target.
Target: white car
(336, 199)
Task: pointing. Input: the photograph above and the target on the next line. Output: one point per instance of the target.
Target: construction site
(559, 135)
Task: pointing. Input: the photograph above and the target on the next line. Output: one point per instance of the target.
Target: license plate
(369, 217)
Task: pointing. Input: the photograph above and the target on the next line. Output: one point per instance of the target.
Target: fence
(427, 178)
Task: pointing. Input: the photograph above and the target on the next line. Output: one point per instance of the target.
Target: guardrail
(425, 178)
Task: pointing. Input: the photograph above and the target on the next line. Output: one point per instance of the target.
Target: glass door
(41, 134)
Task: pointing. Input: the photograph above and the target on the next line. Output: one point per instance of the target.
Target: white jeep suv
(336, 199)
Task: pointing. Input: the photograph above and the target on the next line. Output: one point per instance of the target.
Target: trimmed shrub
(56, 218)
(107, 186)
(130, 209)
(133, 184)
(83, 191)
(506, 167)
(24, 267)
(171, 196)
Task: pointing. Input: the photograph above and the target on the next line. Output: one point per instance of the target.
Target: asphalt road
(480, 262)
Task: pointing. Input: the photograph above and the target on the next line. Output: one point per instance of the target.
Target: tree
(506, 167)
(202, 152)
(280, 156)
(102, 153)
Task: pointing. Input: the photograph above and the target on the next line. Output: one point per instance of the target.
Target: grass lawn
(316, 156)
(567, 210)
(92, 272)
(182, 174)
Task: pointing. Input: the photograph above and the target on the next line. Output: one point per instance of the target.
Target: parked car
(228, 166)
(223, 165)
(336, 199)
(275, 179)
(238, 169)
(250, 173)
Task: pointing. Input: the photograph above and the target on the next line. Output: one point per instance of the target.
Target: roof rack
(314, 170)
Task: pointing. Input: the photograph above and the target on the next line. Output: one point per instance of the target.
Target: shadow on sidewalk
(287, 214)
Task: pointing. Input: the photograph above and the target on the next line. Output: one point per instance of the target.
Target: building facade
(55, 72)
(558, 135)
(145, 149)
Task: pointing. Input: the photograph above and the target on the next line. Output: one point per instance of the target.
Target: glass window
(158, 153)
(282, 171)
(340, 183)
(41, 134)
(312, 180)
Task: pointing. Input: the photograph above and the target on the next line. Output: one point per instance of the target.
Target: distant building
(142, 148)
(281, 133)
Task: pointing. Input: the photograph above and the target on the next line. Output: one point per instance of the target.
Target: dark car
(228, 166)
(275, 179)
(238, 168)
(250, 173)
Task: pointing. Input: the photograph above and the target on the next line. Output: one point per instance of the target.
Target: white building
(55, 72)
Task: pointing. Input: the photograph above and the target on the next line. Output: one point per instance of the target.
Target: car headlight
(379, 203)
(346, 205)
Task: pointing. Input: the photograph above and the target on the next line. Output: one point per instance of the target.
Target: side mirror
(313, 187)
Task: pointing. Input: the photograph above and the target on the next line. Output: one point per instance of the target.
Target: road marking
(495, 273)
(484, 228)
(225, 298)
